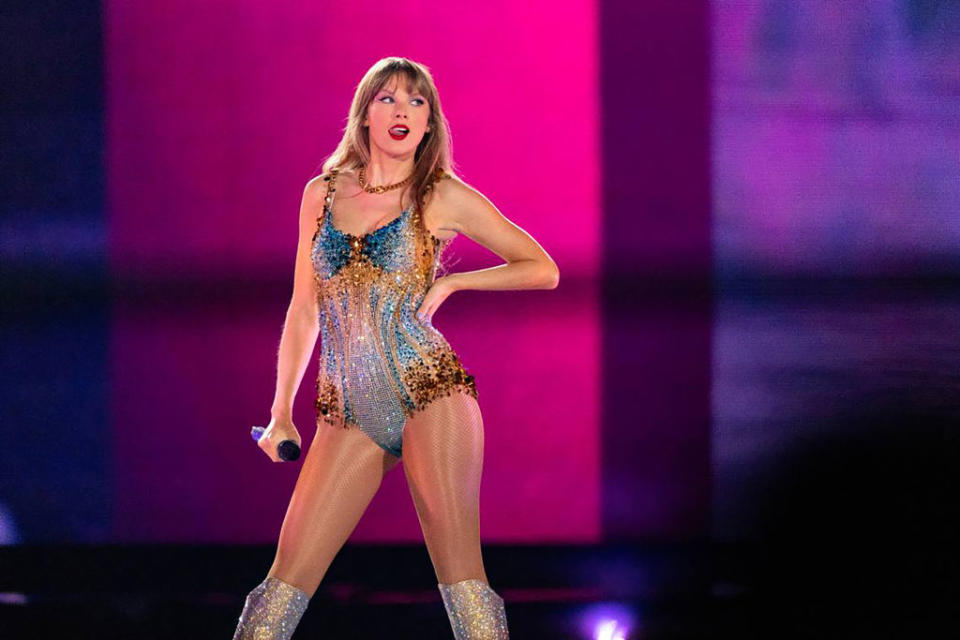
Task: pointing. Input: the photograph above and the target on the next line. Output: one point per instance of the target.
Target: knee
(453, 519)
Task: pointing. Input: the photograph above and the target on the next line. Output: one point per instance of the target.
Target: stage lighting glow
(608, 621)
(608, 630)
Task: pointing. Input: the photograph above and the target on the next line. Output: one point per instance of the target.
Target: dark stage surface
(785, 589)
(371, 591)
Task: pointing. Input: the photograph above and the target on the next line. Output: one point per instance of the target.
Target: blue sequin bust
(379, 363)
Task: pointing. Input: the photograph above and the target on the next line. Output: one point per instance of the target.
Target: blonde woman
(373, 227)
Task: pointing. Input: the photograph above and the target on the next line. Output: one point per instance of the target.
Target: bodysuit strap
(438, 175)
(331, 181)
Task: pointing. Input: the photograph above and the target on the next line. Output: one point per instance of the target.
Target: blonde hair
(433, 156)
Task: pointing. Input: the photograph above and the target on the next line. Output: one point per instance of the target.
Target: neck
(384, 170)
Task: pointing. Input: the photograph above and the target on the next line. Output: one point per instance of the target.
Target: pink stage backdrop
(217, 114)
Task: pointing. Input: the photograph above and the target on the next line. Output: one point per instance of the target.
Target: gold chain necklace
(382, 188)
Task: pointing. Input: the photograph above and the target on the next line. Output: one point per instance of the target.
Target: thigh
(341, 473)
(443, 460)
(443, 442)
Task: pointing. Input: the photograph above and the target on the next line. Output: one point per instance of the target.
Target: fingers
(269, 448)
(425, 312)
(272, 438)
(427, 307)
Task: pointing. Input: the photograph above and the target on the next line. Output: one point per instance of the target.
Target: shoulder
(314, 197)
(461, 203)
(317, 186)
(455, 192)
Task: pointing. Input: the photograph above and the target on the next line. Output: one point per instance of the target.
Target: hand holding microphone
(279, 440)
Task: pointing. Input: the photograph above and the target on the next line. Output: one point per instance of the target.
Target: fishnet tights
(442, 459)
(343, 468)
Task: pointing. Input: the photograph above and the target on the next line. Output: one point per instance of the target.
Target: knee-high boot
(475, 610)
(271, 611)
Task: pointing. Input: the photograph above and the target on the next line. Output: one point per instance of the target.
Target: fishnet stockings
(442, 459)
(340, 475)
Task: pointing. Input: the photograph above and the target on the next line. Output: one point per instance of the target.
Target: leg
(443, 460)
(340, 475)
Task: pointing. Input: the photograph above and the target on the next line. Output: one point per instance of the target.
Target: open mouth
(398, 132)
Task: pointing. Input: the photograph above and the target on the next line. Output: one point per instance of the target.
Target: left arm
(469, 212)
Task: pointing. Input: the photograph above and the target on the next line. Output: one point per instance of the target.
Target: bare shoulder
(314, 195)
(454, 201)
(342, 175)
(458, 202)
(452, 190)
(317, 185)
(316, 188)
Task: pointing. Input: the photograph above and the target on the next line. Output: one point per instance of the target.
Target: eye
(421, 101)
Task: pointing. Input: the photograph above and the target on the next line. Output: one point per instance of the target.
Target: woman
(366, 281)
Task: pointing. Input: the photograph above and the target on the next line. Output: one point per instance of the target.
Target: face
(391, 107)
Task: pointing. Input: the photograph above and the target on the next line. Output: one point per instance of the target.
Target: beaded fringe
(475, 610)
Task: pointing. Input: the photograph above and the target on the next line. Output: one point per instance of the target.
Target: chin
(399, 146)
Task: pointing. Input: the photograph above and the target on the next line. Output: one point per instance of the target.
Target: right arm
(301, 327)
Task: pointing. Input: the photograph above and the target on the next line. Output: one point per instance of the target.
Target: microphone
(288, 450)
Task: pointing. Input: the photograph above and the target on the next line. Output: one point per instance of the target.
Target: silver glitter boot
(271, 611)
(475, 610)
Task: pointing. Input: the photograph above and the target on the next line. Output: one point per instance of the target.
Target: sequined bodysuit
(379, 362)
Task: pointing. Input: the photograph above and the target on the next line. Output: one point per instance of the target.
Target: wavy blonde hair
(433, 156)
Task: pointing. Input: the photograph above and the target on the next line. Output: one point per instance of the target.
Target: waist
(383, 315)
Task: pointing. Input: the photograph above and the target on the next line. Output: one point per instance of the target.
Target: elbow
(552, 277)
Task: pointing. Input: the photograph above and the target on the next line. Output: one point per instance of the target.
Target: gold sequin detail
(442, 376)
(328, 401)
(271, 611)
(475, 610)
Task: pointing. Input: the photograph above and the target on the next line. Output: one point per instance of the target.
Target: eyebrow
(414, 93)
